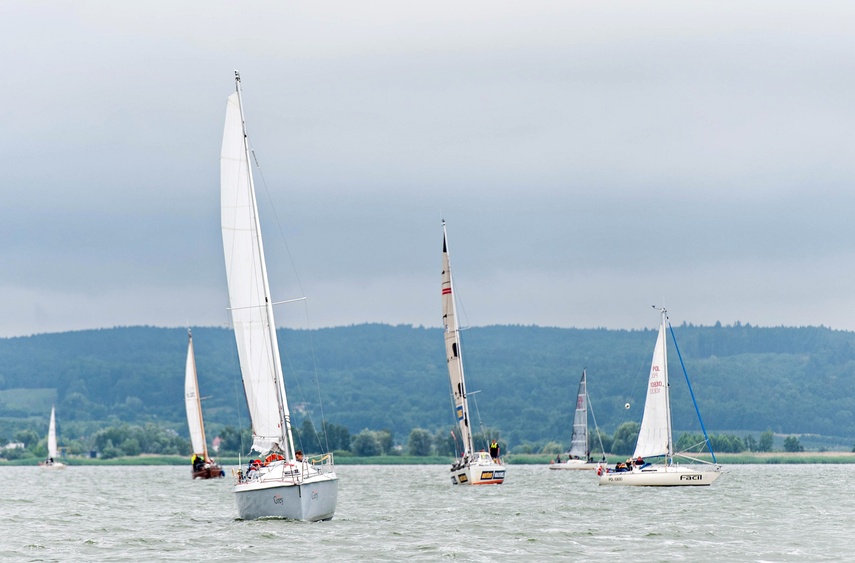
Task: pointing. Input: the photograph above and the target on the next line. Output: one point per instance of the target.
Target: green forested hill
(792, 380)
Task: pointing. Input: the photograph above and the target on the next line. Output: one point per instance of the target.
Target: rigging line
(317, 382)
(276, 217)
(691, 392)
(596, 427)
(480, 422)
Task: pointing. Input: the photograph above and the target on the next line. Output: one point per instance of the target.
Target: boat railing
(322, 463)
(288, 472)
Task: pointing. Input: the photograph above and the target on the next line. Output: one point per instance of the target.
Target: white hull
(478, 473)
(578, 464)
(662, 476)
(53, 466)
(280, 491)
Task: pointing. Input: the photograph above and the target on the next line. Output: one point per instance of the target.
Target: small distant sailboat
(51, 461)
(655, 439)
(579, 454)
(473, 468)
(203, 466)
(284, 485)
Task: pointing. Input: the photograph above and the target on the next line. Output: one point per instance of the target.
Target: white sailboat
(473, 468)
(51, 461)
(655, 438)
(203, 466)
(283, 485)
(579, 454)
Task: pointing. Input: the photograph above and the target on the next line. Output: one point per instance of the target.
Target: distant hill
(792, 380)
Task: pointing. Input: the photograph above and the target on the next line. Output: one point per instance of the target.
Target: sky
(591, 159)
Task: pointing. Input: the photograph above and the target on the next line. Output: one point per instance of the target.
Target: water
(393, 513)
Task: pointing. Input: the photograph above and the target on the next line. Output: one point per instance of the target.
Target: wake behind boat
(473, 468)
(655, 438)
(203, 466)
(283, 485)
(51, 461)
(579, 454)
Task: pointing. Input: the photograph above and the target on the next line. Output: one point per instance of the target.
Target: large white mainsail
(249, 294)
(193, 403)
(654, 438)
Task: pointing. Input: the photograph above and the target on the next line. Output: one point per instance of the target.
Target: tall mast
(284, 414)
(664, 320)
(454, 354)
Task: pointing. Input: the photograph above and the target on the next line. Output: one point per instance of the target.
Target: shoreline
(747, 458)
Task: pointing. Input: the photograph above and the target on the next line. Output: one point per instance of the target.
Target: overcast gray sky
(591, 159)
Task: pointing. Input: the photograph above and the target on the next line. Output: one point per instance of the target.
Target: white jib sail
(51, 437)
(579, 440)
(654, 436)
(251, 308)
(452, 350)
(193, 403)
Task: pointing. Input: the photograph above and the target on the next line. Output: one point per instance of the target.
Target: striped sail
(452, 349)
(654, 438)
(249, 293)
(579, 440)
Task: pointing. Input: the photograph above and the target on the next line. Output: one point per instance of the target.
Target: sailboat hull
(55, 466)
(478, 472)
(311, 500)
(211, 472)
(673, 476)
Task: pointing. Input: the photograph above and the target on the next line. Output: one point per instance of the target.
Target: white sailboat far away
(51, 461)
(655, 439)
(579, 454)
(473, 468)
(282, 484)
(203, 466)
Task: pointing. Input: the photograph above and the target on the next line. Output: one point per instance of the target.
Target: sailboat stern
(479, 471)
(312, 500)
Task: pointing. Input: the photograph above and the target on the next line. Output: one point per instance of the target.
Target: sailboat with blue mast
(655, 438)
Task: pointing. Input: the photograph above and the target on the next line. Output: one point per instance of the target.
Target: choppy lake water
(392, 513)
